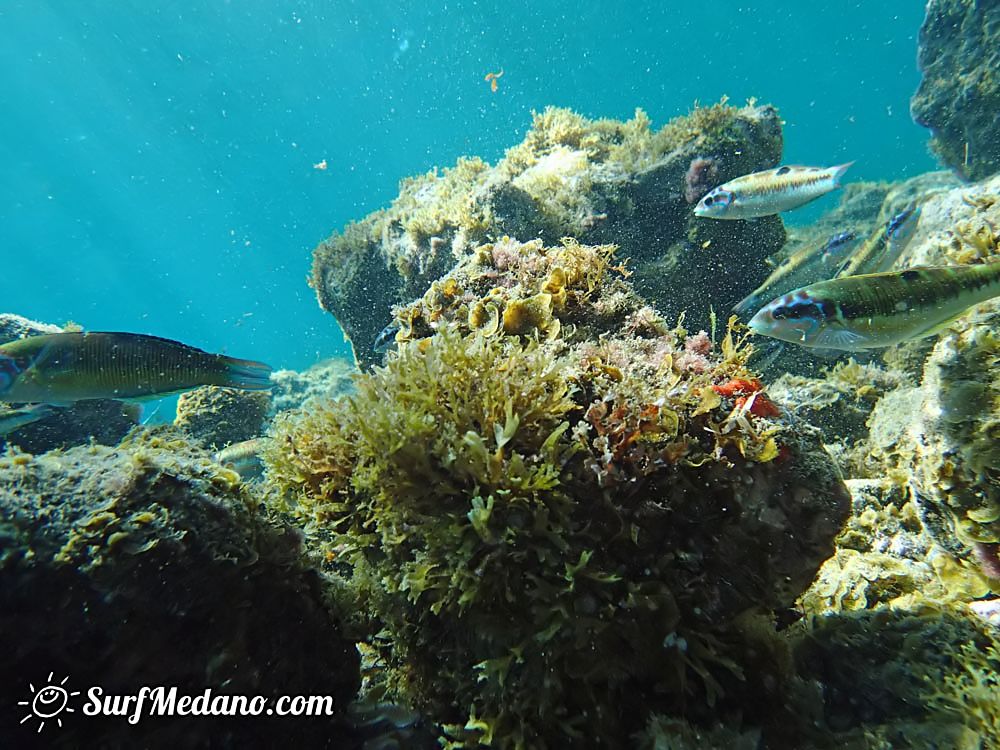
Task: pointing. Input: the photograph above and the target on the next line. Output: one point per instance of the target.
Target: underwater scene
(381, 375)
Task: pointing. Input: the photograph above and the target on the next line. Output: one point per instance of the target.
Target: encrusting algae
(563, 527)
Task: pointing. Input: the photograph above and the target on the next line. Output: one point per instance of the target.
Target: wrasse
(855, 313)
(60, 368)
(15, 419)
(811, 261)
(769, 192)
(882, 249)
(386, 338)
(244, 457)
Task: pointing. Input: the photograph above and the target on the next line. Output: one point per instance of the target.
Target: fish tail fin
(746, 305)
(839, 170)
(246, 374)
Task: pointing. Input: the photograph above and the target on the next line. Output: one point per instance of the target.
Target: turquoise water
(158, 162)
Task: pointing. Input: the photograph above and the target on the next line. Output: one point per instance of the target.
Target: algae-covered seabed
(570, 507)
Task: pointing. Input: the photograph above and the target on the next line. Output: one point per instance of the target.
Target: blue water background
(157, 157)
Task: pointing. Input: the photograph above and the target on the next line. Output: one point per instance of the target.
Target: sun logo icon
(48, 702)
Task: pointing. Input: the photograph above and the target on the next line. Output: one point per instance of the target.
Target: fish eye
(708, 200)
(779, 313)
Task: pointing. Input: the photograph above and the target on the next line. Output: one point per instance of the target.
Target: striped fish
(811, 263)
(855, 313)
(60, 368)
(884, 247)
(769, 192)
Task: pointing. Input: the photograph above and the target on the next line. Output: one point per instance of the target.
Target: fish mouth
(756, 324)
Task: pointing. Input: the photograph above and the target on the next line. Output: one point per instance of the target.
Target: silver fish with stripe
(769, 192)
(811, 263)
(856, 313)
(885, 245)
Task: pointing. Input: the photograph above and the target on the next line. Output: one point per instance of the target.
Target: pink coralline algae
(702, 176)
(694, 357)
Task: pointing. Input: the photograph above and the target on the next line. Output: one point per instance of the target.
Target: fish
(61, 368)
(885, 245)
(386, 338)
(15, 419)
(769, 192)
(811, 260)
(872, 311)
(243, 457)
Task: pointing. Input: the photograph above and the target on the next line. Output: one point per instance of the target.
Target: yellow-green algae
(525, 513)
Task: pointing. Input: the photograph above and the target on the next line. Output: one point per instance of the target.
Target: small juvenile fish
(855, 313)
(386, 338)
(15, 419)
(788, 275)
(244, 457)
(882, 249)
(60, 368)
(769, 192)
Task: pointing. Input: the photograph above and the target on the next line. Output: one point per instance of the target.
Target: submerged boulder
(147, 565)
(565, 519)
(597, 181)
(959, 94)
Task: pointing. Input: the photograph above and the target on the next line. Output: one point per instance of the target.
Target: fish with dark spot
(885, 245)
(811, 263)
(61, 368)
(386, 338)
(769, 192)
(871, 311)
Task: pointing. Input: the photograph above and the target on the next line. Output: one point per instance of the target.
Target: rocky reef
(563, 518)
(597, 181)
(221, 416)
(147, 564)
(959, 93)
(330, 378)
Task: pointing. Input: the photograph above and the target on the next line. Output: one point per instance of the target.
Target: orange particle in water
(492, 79)
(320, 165)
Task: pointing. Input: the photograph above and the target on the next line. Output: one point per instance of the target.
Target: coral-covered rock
(146, 565)
(17, 327)
(221, 416)
(959, 94)
(558, 510)
(600, 182)
(324, 380)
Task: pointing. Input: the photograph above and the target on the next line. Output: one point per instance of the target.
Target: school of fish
(863, 304)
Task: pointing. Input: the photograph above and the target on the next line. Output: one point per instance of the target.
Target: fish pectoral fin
(46, 356)
(840, 339)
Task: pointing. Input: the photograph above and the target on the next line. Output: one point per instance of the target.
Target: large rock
(599, 182)
(147, 565)
(959, 95)
(565, 515)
